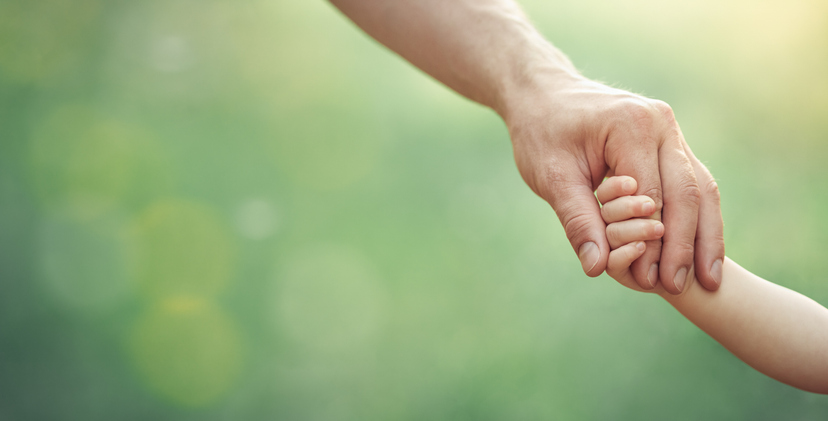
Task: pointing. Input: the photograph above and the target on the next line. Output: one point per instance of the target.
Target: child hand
(628, 226)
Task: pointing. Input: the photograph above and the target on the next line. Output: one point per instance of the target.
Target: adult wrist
(535, 85)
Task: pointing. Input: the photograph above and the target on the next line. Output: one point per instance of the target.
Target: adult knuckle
(688, 191)
(576, 225)
(640, 115)
(686, 249)
(682, 249)
(717, 243)
(664, 110)
(657, 196)
(634, 135)
(648, 115)
(711, 190)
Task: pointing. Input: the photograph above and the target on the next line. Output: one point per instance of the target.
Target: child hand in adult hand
(631, 220)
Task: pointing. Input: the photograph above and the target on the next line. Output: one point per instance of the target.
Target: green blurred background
(249, 210)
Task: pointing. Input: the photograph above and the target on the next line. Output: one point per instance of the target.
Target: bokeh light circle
(256, 219)
(91, 164)
(187, 350)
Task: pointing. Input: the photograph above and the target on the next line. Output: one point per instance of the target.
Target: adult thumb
(577, 208)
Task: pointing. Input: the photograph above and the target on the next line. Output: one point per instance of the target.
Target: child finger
(621, 258)
(615, 187)
(627, 207)
(624, 232)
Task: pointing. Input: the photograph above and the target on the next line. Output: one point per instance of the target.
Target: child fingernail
(628, 186)
(648, 207)
(640, 246)
(659, 229)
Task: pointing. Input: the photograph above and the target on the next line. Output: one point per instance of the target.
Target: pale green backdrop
(249, 210)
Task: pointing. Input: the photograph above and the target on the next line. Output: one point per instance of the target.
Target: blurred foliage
(240, 210)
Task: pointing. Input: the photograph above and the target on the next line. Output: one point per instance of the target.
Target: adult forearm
(775, 330)
(484, 49)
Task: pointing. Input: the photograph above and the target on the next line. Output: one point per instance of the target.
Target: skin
(567, 132)
(779, 332)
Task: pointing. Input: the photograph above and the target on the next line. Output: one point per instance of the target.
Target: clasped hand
(568, 133)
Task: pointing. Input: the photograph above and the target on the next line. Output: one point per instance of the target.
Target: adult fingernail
(681, 277)
(716, 271)
(589, 255)
(652, 275)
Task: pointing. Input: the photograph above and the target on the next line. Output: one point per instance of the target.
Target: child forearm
(779, 332)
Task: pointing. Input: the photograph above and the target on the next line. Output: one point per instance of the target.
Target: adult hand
(568, 133)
